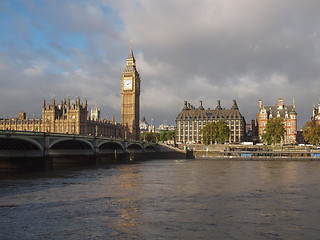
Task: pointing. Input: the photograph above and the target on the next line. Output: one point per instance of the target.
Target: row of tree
(156, 137)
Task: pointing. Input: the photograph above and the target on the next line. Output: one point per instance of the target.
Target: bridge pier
(25, 164)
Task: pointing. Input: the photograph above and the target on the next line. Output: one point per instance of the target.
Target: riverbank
(254, 152)
(232, 158)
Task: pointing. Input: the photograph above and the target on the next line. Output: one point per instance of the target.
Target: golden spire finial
(294, 103)
(130, 59)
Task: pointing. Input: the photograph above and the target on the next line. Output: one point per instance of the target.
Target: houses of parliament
(73, 118)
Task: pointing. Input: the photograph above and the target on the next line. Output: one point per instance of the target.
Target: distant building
(191, 120)
(316, 114)
(285, 112)
(144, 126)
(164, 127)
(254, 128)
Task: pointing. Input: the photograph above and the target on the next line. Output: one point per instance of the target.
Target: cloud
(245, 50)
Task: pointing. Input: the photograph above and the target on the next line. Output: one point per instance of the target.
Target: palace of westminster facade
(73, 118)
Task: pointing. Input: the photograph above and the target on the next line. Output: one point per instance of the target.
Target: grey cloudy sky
(185, 50)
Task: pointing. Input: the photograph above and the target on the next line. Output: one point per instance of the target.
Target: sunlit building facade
(191, 120)
(65, 117)
(288, 115)
(315, 113)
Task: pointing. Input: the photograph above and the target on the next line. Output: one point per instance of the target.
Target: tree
(208, 133)
(149, 136)
(274, 131)
(167, 135)
(311, 133)
(215, 132)
(223, 131)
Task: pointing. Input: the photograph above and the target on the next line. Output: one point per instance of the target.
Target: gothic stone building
(285, 112)
(74, 118)
(64, 118)
(191, 120)
(316, 114)
(130, 92)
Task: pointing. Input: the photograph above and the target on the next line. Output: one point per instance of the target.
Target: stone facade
(191, 120)
(286, 112)
(316, 114)
(130, 92)
(64, 118)
(144, 126)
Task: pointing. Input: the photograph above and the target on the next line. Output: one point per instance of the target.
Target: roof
(190, 111)
(279, 111)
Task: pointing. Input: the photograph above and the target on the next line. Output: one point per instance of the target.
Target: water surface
(165, 199)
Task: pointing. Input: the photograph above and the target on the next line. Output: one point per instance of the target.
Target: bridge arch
(19, 143)
(71, 144)
(150, 148)
(111, 146)
(134, 146)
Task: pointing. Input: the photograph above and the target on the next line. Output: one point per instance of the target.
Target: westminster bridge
(24, 150)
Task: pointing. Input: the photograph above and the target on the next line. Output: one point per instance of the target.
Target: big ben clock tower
(130, 92)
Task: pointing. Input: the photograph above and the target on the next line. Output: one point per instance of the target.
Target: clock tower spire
(130, 93)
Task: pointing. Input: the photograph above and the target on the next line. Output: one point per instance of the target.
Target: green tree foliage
(167, 135)
(274, 131)
(215, 132)
(149, 136)
(311, 133)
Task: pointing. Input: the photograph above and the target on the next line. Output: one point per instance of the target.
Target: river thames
(165, 199)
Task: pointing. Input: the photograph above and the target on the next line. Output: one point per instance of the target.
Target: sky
(208, 50)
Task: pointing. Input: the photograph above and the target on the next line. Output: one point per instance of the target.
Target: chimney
(218, 105)
(280, 103)
(234, 106)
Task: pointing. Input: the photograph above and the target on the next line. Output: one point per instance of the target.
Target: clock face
(127, 84)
